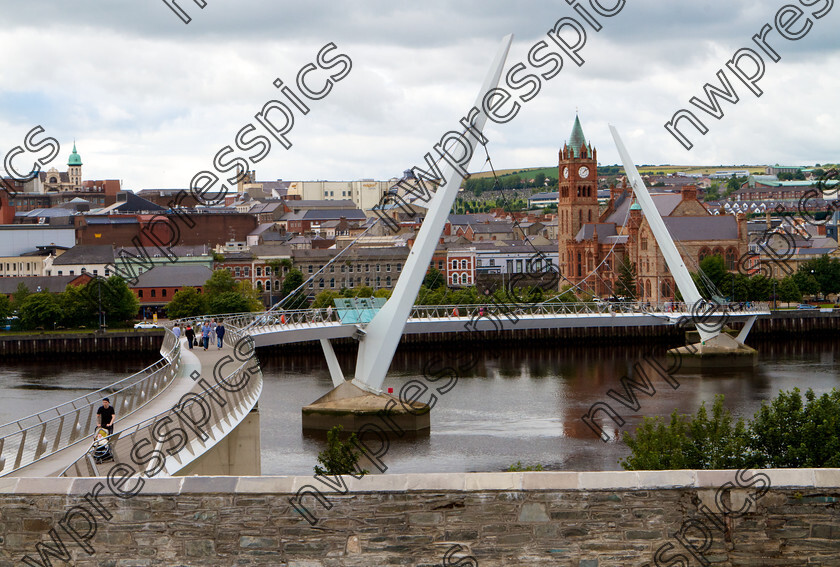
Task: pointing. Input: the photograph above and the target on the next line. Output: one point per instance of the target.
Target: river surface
(518, 404)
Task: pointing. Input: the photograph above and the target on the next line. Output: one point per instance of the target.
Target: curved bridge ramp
(219, 388)
(58, 441)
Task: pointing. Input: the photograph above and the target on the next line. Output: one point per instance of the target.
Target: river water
(518, 404)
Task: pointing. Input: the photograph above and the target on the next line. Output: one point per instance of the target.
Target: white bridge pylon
(689, 291)
(379, 339)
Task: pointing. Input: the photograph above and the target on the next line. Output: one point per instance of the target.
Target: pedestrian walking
(105, 416)
(176, 330)
(190, 334)
(220, 334)
(205, 335)
(213, 326)
(329, 313)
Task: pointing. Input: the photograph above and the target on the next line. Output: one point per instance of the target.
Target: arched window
(268, 285)
(647, 289)
(454, 279)
(666, 289)
(718, 252)
(704, 253)
(259, 286)
(731, 258)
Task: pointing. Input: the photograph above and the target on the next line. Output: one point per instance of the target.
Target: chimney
(689, 193)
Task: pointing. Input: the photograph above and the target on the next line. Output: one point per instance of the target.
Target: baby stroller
(101, 449)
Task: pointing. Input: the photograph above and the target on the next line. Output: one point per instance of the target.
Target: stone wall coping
(439, 482)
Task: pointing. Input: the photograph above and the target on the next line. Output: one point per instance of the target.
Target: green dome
(635, 206)
(75, 158)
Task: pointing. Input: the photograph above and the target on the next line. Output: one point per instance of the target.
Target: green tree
(187, 302)
(699, 442)
(5, 306)
(788, 433)
(788, 291)
(826, 271)
(340, 457)
(715, 277)
(291, 282)
(77, 308)
(41, 310)
(19, 296)
(434, 279)
(324, 299)
(118, 301)
(539, 180)
(760, 288)
(228, 302)
(806, 282)
(386, 293)
(220, 282)
(626, 283)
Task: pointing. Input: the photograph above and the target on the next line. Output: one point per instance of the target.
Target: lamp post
(733, 287)
(774, 293)
(101, 323)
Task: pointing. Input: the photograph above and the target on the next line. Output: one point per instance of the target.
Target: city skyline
(154, 110)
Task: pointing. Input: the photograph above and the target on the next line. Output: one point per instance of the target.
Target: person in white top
(176, 330)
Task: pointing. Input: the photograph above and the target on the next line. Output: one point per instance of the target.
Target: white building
(365, 193)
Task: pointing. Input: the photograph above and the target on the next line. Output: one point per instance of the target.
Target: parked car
(145, 325)
(806, 306)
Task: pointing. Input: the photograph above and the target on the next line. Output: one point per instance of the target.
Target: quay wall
(565, 519)
(80, 343)
(779, 323)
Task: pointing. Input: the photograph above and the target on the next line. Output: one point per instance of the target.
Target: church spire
(577, 139)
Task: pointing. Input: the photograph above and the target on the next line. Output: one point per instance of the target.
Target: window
(343, 267)
(60, 273)
(267, 285)
(399, 267)
(731, 258)
(276, 285)
(378, 268)
(247, 271)
(163, 293)
(510, 266)
(644, 243)
(519, 266)
(332, 282)
(309, 269)
(332, 268)
(492, 262)
(378, 281)
(321, 282)
(95, 272)
(259, 286)
(139, 291)
(236, 272)
(350, 268)
(440, 264)
(367, 267)
(154, 293)
(463, 264)
(73, 273)
(454, 264)
(388, 281)
(267, 270)
(259, 271)
(387, 267)
(704, 252)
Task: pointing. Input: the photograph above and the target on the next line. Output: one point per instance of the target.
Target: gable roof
(172, 276)
(86, 254)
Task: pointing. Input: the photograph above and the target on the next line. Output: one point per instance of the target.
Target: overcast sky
(150, 100)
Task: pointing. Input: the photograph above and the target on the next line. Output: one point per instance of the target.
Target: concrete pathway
(191, 361)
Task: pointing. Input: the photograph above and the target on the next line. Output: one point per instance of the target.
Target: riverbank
(780, 323)
(80, 343)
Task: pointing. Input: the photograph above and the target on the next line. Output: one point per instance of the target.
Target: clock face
(583, 172)
(566, 173)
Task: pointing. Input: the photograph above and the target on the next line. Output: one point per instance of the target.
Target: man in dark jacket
(220, 334)
(190, 334)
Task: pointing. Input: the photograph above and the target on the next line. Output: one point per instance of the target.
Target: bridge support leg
(332, 363)
(748, 324)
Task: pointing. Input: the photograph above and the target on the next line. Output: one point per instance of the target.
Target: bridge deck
(192, 360)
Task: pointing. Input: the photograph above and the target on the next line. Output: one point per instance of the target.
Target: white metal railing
(671, 310)
(229, 406)
(40, 435)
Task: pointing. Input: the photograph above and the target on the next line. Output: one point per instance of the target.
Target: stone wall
(593, 519)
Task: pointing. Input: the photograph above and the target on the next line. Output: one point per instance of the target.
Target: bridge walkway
(196, 360)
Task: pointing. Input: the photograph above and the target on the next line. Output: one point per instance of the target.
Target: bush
(340, 457)
(785, 433)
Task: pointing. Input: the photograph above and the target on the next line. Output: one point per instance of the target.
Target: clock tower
(577, 202)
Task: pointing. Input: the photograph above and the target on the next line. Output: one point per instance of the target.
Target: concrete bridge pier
(237, 454)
